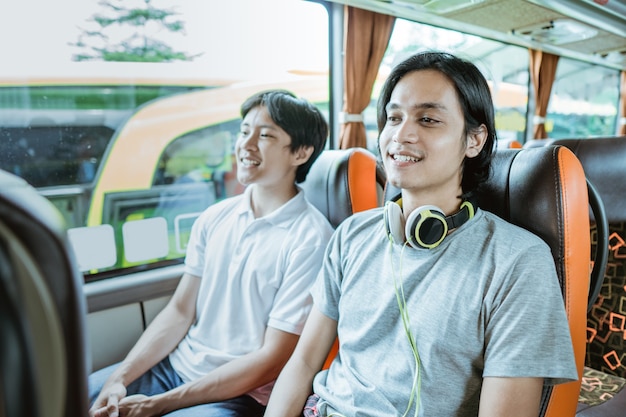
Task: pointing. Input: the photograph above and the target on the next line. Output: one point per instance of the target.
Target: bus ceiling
(593, 31)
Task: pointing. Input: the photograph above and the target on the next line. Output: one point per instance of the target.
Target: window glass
(131, 151)
(583, 102)
(56, 134)
(504, 66)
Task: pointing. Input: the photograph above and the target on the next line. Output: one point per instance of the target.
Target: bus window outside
(131, 152)
(583, 103)
(504, 66)
(55, 135)
(110, 143)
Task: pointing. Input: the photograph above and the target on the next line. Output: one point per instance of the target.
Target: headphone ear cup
(426, 227)
(394, 222)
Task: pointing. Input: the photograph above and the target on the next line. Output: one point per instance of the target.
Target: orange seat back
(544, 190)
(604, 162)
(340, 183)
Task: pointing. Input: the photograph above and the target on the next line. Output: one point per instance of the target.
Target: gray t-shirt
(486, 302)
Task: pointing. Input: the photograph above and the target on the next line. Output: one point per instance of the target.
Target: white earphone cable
(406, 323)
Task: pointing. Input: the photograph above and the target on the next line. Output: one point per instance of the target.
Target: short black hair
(299, 118)
(475, 99)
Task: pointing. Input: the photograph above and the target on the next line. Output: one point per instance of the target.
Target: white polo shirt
(255, 273)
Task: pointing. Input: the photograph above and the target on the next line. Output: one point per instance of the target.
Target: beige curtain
(366, 38)
(542, 72)
(621, 128)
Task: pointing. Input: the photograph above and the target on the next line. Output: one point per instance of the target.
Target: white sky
(35, 33)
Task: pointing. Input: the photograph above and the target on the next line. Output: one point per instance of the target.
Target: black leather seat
(42, 324)
(544, 190)
(603, 393)
(343, 182)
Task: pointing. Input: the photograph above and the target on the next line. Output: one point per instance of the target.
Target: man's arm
(161, 337)
(232, 379)
(510, 397)
(294, 384)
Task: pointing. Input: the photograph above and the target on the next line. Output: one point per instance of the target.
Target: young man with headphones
(441, 308)
(232, 323)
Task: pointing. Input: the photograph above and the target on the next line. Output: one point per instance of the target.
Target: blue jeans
(162, 378)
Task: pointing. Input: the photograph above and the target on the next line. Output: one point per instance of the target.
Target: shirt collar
(283, 216)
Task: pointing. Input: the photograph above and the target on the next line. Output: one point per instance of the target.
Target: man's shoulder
(223, 207)
(368, 216)
(361, 222)
(314, 218)
(510, 231)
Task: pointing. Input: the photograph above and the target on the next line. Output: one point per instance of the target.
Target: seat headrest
(343, 182)
(526, 188)
(604, 162)
(36, 229)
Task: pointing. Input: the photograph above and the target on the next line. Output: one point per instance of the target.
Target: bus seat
(44, 364)
(343, 182)
(603, 160)
(544, 190)
(340, 183)
(16, 365)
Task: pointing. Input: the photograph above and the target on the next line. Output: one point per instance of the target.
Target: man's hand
(138, 406)
(107, 403)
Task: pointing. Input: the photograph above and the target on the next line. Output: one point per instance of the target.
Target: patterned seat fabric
(606, 336)
(599, 387)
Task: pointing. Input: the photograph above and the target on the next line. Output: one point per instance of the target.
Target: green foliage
(139, 45)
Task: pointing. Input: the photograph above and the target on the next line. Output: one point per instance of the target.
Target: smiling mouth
(249, 162)
(404, 158)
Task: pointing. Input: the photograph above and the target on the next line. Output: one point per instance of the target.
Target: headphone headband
(466, 212)
(427, 226)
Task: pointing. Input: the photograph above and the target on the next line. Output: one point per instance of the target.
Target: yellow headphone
(426, 227)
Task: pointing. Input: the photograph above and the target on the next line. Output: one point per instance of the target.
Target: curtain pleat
(542, 71)
(366, 38)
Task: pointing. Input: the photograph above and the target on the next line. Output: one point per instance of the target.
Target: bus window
(127, 150)
(55, 130)
(204, 155)
(504, 66)
(111, 143)
(56, 135)
(583, 102)
(51, 155)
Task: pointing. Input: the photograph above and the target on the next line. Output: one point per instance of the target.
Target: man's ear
(302, 154)
(475, 141)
